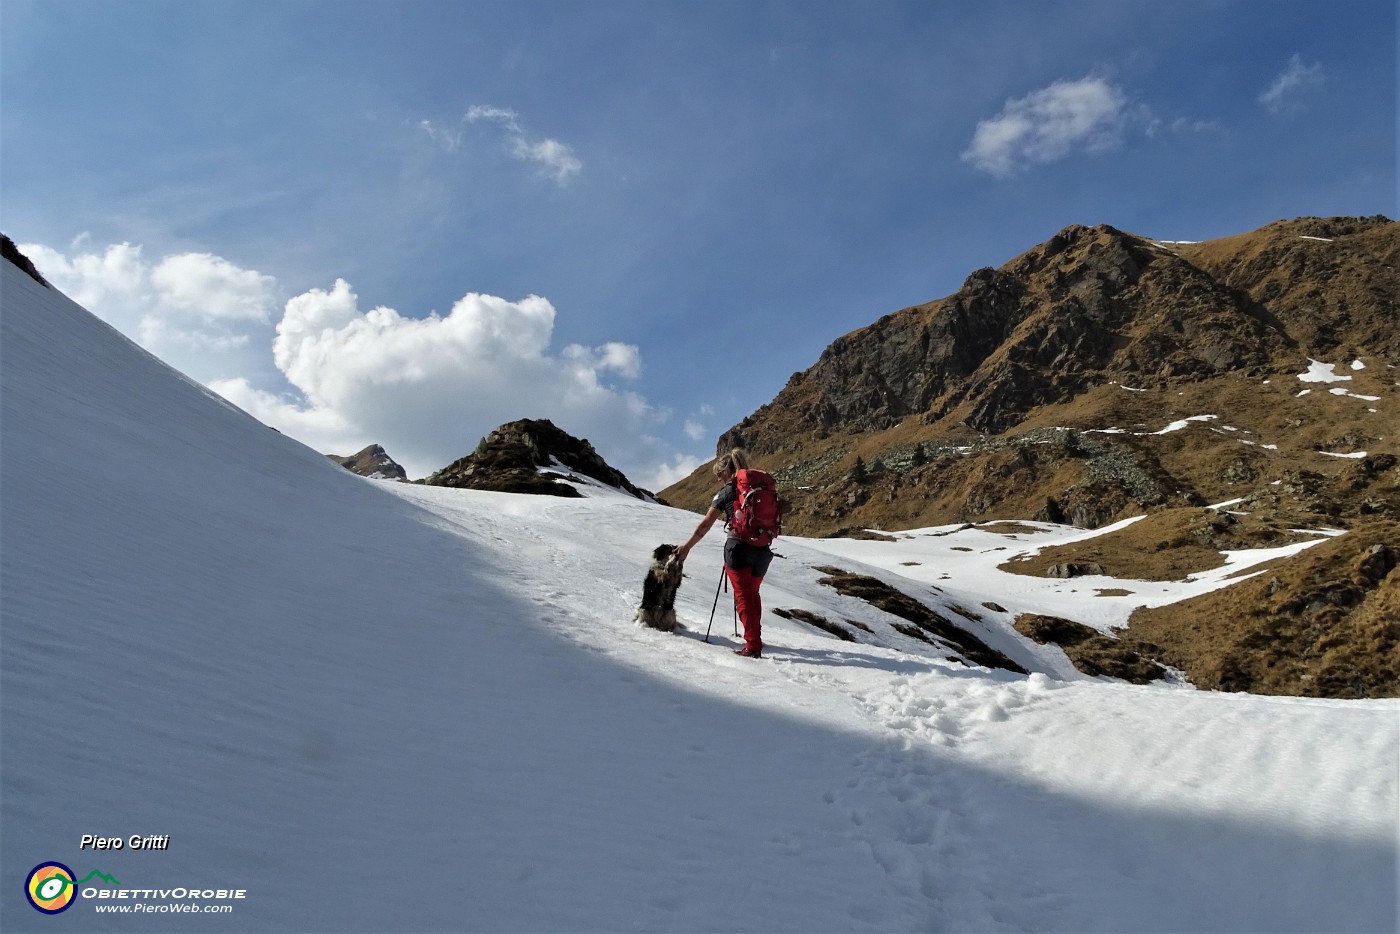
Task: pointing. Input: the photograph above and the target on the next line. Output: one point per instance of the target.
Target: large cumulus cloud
(429, 388)
(178, 307)
(340, 377)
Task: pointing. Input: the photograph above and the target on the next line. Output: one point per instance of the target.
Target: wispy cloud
(554, 158)
(1283, 93)
(1047, 125)
(1190, 125)
(695, 427)
(449, 138)
(507, 118)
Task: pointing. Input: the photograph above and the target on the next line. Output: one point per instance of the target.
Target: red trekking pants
(750, 605)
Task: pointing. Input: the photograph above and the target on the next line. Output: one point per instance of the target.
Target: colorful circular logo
(50, 888)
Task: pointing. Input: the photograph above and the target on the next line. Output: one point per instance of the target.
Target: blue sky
(408, 222)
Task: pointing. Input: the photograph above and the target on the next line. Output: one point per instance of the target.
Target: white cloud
(554, 158)
(207, 286)
(623, 359)
(154, 332)
(323, 429)
(507, 118)
(695, 427)
(429, 388)
(190, 309)
(1047, 125)
(425, 388)
(90, 279)
(448, 139)
(1296, 78)
(666, 474)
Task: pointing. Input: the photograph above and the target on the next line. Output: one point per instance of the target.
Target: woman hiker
(744, 564)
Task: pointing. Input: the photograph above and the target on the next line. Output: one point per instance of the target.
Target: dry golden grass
(1092, 652)
(817, 621)
(925, 621)
(1216, 332)
(1166, 545)
(1326, 625)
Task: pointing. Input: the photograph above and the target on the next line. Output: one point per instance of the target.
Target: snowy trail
(958, 757)
(390, 707)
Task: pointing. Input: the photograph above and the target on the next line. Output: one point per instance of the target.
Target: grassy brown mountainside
(1101, 375)
(1327, 623)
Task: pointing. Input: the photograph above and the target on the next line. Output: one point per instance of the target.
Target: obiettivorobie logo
(53, 887)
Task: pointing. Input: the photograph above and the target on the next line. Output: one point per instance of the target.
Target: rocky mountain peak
(373, 462)
(1225, 394)
(1038, 387)
(1087, 306)
(518, 456)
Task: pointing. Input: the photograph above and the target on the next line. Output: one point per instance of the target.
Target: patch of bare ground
(925, 621)
(1325, 624)
(1091, 651)
(818, 621)
(1166, 545)
(861, 535)
(1008, 528)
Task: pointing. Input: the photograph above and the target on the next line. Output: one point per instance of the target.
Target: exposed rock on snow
(372, 462)
(531, 456)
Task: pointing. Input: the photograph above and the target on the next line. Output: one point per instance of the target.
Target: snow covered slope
(376, 707)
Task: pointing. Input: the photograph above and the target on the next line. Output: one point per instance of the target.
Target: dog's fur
(658, 610)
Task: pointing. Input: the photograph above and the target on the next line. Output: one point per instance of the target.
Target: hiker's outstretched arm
(700, 530)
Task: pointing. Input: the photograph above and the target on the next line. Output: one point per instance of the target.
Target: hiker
(744, 563)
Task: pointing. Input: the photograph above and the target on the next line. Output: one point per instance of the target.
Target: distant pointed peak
(373, 462)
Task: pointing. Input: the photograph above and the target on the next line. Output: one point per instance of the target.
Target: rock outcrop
(10, 252)
(532, 456)
(372, 462)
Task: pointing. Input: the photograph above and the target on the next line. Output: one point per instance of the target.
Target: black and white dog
(663, 579)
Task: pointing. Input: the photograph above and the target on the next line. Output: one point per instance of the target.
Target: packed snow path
(387, 707)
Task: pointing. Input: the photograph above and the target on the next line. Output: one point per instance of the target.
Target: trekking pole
(716, 606)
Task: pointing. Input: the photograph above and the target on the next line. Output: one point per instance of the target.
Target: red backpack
(758, 516)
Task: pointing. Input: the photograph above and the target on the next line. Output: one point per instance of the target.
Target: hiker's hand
(682, 551)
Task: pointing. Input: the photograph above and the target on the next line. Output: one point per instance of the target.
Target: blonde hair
(736, 460)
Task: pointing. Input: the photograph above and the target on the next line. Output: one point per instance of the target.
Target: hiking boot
(747, 652)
